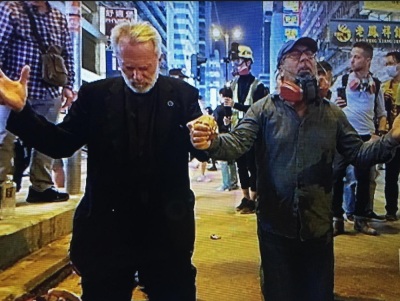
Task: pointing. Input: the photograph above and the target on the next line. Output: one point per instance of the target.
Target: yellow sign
(386, 6)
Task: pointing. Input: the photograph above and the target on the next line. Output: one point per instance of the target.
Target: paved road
(367, 267)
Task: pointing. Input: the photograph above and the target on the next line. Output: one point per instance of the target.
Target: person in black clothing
(246, 90)
(222, 115)
(135, 130)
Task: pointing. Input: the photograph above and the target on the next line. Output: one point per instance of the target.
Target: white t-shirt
(360, 106)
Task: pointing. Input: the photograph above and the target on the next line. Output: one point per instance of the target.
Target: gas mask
(240, 67)
(305, 88)
(239, 55)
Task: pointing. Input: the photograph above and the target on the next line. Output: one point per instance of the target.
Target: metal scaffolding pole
(74, 16)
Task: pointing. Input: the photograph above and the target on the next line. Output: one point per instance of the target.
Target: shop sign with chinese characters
(291, 20)
(346, 32)
(113, 16)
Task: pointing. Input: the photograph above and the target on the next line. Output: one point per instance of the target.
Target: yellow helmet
(245, 52)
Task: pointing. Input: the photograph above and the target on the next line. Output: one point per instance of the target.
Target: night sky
(246, 14)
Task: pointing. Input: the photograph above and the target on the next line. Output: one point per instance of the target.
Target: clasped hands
(14, 93)
(202, 131)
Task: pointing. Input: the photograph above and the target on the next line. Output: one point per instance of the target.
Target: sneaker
(362, 226)
(338, 227)
(249, 208)
(234, 187)
(223, 189)
(391, 217)
(203, 179)
(373, 216)
(50, 195)
(350, 218)
(243, 204)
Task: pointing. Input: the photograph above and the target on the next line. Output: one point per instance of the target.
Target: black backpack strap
(345, 79)
(378, 86)
(35, 32)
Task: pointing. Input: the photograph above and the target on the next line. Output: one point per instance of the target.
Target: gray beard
(140, 90)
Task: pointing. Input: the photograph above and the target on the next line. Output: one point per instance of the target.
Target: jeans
(40, 165)
(172, 279)
(350, 185)
(229, 174)
(296, 270)
(362, 195)
(349, 191)
(392, 171)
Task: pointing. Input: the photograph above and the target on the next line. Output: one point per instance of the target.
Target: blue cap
(289, 45)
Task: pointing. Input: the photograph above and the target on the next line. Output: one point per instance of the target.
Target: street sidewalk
(367, 267)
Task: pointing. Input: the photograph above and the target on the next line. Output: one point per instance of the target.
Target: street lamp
(218, 33)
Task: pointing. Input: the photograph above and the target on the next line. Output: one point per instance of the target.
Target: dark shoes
(249, 208)
(362, 226)
(391, 217)
(338, 227)
(242, 204)
(373, 216)
(50, 195)
(246, 206)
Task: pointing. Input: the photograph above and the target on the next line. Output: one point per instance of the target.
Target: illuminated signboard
(383, 6)
(291, 6)
(291, 33)
(291, 20)
(347, 32)
(113, 16)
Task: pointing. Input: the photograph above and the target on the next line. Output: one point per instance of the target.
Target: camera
(227, 92)
(228, 111)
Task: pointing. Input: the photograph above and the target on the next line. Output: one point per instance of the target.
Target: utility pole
(74, 16)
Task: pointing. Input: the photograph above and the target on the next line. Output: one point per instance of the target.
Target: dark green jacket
(294, 161)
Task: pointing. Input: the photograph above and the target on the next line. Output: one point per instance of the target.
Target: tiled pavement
(367, 268)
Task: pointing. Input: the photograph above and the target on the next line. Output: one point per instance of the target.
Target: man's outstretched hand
(14, 93)
(202, 131)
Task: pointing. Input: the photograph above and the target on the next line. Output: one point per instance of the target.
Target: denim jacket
(294, 158)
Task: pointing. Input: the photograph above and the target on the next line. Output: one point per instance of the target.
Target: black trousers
(392, 171)
(292, 269)
(171, 279)
(247, 170)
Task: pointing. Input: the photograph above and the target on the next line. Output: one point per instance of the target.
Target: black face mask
(308, 83)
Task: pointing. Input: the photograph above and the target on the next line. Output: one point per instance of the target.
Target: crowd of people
(291, 150)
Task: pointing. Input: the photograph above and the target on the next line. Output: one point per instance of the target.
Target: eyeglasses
(296, 54)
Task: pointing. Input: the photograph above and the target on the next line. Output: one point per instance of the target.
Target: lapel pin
(170, 103)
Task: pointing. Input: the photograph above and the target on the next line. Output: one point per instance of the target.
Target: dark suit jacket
(117, 221)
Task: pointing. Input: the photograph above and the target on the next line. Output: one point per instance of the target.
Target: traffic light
(193, 59)
(196, 62)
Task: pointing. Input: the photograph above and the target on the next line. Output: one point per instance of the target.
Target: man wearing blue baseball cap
(296, 133)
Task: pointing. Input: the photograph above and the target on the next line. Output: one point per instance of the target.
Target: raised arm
(14, 93)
